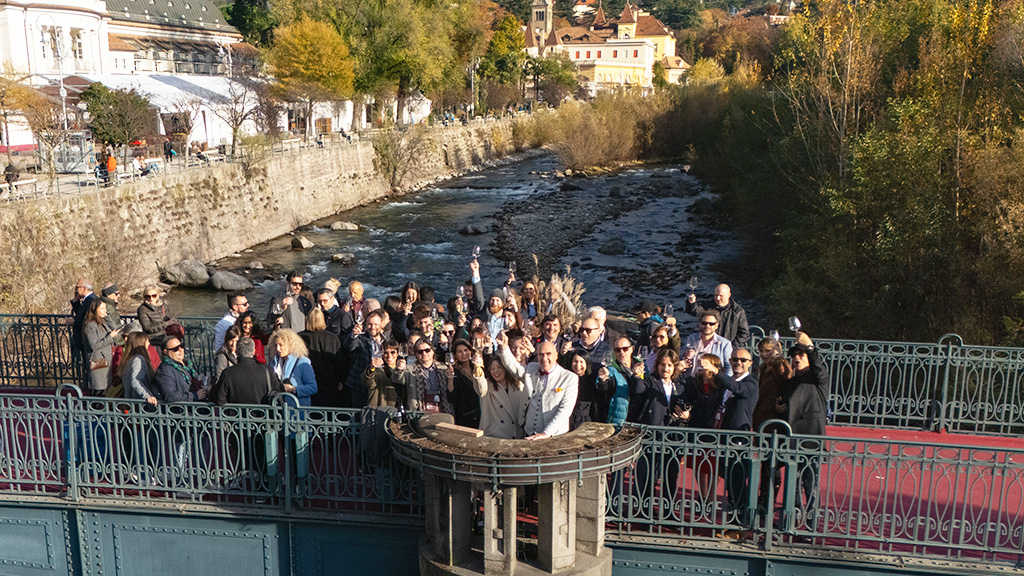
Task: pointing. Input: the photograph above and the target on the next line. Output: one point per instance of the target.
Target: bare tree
(45, 116)
(12, 99)
(186, 111)
(240, 105)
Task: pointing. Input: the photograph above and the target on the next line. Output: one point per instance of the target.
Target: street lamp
(58, 54)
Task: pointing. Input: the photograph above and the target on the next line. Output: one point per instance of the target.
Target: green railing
(905, 499)
(945, 385)
(850, 494)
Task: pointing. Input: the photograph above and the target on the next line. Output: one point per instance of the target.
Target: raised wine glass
(794, 324)
(774, 335)
(476, 252)
(693, 284)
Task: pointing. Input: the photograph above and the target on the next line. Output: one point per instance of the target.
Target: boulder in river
(472, 230)
(613, 247)
(301, 243)
(344, 258)
(701, 206)
(570, 187)
(255, 265)
(616, 192)
(339, 225)
(191, 273)
(229, 281)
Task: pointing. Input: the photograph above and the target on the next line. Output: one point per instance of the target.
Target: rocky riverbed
(639, 231)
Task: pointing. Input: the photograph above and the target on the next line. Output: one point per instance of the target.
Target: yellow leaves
(311, 59)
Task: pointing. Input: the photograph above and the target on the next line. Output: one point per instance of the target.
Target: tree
(118, 116)
(506, 54)
(658, 74)
(238, 107)
(311, 63)
(13, 95)
(554, 77)
(252, 18)
(185, 112)
(45, 116)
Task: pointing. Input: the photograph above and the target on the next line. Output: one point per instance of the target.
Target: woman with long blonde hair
(291, 364)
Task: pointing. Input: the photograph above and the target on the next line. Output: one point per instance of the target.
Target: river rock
(191, 273)
(301, 243)
(616, 192)
(701, 206)
(344, 258)
(472, 230)
(613, 247)
(344, 226)
(255, 265)
(230, 281)
(570, 187)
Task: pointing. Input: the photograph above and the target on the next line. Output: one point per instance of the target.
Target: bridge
(922, 471)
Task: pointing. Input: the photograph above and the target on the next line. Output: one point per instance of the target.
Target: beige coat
(549, 403)
(502, 410)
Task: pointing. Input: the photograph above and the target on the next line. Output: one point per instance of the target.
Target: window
(577, 54)
(636, 53)
(540, 16)
(598, 53)
(588, 54)
(615, 53)
(77, 45)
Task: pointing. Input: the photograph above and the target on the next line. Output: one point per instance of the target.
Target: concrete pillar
(500, 531)
(556, 525)
(590, 509)
(452, 532)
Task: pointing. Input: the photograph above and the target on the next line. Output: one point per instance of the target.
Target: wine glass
(359, 315)
(512, 266)
(794, 324)
(774, 335)
(461, 292)
(693, 284)
(277, 309)
(669, 309)
(450, 359)
(476, 252)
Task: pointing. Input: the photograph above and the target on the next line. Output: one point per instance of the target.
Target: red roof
(599, 19)
(650, 26)
(627, 15)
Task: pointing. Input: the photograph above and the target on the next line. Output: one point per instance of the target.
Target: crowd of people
(502, 361)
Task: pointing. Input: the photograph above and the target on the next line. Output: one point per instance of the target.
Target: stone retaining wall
(120, 233)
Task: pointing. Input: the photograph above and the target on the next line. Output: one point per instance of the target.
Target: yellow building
(608, 53)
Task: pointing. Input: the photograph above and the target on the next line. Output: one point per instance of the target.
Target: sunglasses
(587, 330)
(151, 295)
(624, 349)
(709, 323)
(296, 283)
(447, 331)
(735, 360)
(424, 351)
(175, 349)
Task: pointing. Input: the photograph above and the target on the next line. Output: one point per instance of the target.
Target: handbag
(103, 363)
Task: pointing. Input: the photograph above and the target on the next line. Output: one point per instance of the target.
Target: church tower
(542, 18)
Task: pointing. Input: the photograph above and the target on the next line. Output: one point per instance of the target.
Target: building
(609, 53)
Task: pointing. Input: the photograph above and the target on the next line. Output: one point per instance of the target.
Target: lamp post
(58, 54)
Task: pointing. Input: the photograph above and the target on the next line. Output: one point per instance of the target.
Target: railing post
(69, 394)
(947, 367)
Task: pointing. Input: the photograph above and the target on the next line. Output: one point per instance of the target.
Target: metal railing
(851, 494)
(274, 456)
(906, 499)
(945, 385)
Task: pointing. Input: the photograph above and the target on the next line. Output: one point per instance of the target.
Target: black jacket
(653, 408)
(733, 326)
(326, 356)
(247, 382)
(739, 408)
(338, 321)
(806, 396)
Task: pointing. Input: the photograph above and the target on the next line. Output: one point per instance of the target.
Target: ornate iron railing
(901, 498)
(75, 447)
(942, 385)
(843, 494)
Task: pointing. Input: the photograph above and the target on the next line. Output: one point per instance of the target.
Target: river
(525, 207)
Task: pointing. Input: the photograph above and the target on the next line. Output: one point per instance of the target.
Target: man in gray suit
(550, 388)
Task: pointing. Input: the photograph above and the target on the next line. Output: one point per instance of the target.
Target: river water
(417, 237)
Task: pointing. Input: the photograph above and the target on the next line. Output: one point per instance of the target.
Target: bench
(214, 156)
(15, 186)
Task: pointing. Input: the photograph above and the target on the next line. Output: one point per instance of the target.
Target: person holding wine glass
(290, 306)
(465, 375)
(502, 402)
(361, 344)
(707, 341)
(428, 382)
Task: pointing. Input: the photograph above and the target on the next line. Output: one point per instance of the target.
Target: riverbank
(122, 234)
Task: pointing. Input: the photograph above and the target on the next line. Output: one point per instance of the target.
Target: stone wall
(120, 233)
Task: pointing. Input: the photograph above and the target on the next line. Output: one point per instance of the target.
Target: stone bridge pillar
(566, 474)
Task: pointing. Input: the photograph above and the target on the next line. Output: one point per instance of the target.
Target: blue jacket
(619, 405)
(299, 370)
